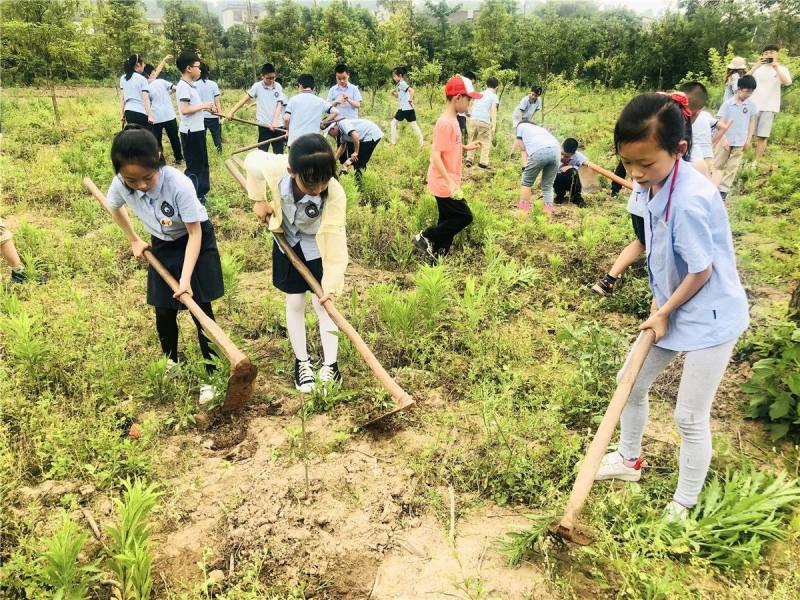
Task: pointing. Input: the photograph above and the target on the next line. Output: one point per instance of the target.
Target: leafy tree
(281, 36)
(120, 30)
(41, 42)
(494, 38)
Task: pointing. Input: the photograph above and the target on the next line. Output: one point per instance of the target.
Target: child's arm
(147, 109)
(339, 151)
(722, 126)
(187, 109)
(438, 163)
(411, 92)
(626, 258)
(138, 245)
(356, 146)
(189, 259)
(473, 146)
(691, 284)
(161, 65)
(276, 115)
(493, 117)
(217, 105)
(751, 127)
(238, 105)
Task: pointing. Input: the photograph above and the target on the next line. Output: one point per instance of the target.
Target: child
(270, 100)
(193, 131)
(135, 98)
(483, 122)
(567, 180)
(528, 106)
(462, 116)
(444, 172)
(182, 237)
(346, 97)
(541, 152)
(406, 112)
(362, 135)
(308, 205)
(699, 305)
(9, 252)
(304, 111)
(637, 207)
(737, 121)
(209, 93)
(163, 111)
(702, 123)
(736, 68)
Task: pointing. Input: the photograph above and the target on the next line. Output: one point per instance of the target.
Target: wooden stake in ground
(242, 372)
(402, 399)
(566, 527)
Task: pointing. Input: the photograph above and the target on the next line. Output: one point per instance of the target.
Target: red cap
(460, 85)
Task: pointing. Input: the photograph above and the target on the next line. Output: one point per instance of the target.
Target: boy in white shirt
(483, 122)
(304, 111)
(270, 102)
(528, 106)
(737, 121)
(770, 77)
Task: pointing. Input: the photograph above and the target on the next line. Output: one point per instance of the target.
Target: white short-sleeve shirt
(187, 92)
(208, 90)
(305, 110)
(132, 92)
(266, 98)
(160, 101)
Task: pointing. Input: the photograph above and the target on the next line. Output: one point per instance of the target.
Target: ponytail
(130, 65)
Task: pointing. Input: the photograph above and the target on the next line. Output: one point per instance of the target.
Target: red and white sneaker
(613, 467)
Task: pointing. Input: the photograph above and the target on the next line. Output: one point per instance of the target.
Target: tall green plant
(131, 556)
(60, 569)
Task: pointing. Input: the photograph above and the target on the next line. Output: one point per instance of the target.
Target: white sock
(327, 332)
(394, 131)
(415, 127)
(296, 324)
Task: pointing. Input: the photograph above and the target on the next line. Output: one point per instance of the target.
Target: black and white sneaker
(330, 373)
(303, 376)
(19, 276)
(605, 287)
(424, 245)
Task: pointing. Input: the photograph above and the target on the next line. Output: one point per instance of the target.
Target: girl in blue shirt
(699, 306)
(135, 97)
(182, 237)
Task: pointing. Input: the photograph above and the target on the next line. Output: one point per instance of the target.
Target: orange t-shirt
(447, 140)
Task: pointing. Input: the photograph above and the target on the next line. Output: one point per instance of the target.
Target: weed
(60, 569)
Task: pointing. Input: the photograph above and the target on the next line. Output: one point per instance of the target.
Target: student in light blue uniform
(182, 237)
(346, 97)
(161, 91)
(270, 105)
(528, 106)
(406, 112)
(699, 305)
(541, 153)
(363, 135)
(305, 110)
(567, 179)
(192, 128)
(209, 93)
(735, 126)
(135, 97)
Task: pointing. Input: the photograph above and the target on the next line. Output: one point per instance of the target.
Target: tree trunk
(794, 305)
(55, 103)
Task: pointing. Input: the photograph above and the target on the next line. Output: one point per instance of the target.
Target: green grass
(505, 333)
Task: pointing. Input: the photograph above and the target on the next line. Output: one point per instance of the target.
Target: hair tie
(683, 102)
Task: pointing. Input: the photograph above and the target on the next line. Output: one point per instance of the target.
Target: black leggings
(167, 328)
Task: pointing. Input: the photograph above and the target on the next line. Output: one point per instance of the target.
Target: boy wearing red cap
(444, 171)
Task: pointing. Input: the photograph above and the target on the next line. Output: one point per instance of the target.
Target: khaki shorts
(764, 123)
(5, 233)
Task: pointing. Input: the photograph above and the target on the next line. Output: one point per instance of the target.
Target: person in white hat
(736, 68)
(770, 77)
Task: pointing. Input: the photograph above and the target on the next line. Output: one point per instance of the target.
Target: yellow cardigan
(265, 170)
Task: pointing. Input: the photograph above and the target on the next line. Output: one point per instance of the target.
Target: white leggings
(702, 373)
(296, 325)
(413, 125)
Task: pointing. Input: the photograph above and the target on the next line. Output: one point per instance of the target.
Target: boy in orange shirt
(444, 171)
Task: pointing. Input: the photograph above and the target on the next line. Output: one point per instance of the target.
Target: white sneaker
(206, 394)
(675, 512)
(171, 366)
(613, 467)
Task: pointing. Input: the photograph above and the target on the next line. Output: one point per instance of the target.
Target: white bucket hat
(737, 63)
